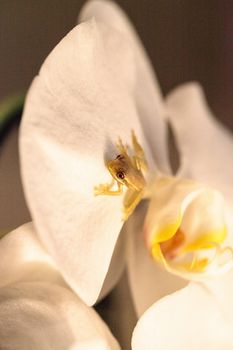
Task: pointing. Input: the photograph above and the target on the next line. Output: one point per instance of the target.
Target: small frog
(126, 171)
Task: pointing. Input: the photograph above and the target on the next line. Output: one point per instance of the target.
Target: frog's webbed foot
(139, 158)
(131, 200)
(106, 189)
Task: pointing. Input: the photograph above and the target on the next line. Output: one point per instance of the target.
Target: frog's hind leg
(139, 158)
(123, 149)
(131, 200)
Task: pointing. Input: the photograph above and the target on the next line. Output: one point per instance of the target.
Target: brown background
(186, 40)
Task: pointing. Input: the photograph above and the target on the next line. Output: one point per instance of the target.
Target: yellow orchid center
(186, 230)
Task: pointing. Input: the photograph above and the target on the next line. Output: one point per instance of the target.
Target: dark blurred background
(186, 40)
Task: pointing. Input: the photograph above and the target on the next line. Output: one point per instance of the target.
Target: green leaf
(11, 110)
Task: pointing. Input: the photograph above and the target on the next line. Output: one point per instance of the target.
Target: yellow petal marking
(168, 231)
(168, 249)
(206, 240)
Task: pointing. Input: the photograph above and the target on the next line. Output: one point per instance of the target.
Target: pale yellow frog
(126, 170)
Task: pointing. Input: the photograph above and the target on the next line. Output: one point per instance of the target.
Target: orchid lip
(185, 229)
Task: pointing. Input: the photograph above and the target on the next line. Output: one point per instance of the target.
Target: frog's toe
(98, 190)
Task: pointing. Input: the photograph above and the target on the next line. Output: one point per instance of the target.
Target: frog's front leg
(139, 158)
(131, 200)
(106, 189)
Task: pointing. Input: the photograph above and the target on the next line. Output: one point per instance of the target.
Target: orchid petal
(37, 311)
(24, 259)
(205, 146)
(148, 97)
(149, 282)
(78, 106)
(191, 318)
(40, 315)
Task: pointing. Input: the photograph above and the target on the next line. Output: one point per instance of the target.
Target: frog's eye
(120, 157)
(120, 175)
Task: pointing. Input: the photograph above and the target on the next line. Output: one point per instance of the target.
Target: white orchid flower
(199, 315)
(95, 86)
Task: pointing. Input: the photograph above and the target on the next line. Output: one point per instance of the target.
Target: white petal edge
(206, 147)
(24, 259)
(192, 318)
(40, 315)
(77, 107)
(148, 97)
(149, 281)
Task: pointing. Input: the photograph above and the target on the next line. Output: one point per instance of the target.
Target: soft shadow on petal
(148, 281)
(117, 310)
(206, 146)
(40, 315)
(81, 102)
(147, 94)
(189, 319)
(116, 267)
(24, 259)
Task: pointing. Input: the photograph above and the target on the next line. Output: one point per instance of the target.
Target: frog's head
(119, 169)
